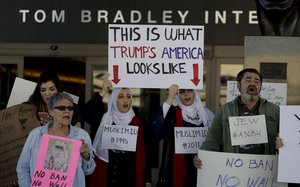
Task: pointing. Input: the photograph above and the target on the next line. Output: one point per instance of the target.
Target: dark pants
(293, 185)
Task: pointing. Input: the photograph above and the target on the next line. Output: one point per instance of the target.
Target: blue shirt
(28, 157)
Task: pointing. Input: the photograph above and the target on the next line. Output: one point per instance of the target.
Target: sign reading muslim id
(156, 56)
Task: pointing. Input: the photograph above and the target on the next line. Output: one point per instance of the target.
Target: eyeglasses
(63, 108)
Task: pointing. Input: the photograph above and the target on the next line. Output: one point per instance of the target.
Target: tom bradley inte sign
(87, 21)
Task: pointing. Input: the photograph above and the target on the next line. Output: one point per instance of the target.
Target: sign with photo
(57, 163)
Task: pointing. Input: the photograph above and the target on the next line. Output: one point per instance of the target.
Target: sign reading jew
(156, 56)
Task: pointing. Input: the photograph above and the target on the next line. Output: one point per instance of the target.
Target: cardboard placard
(15, 124)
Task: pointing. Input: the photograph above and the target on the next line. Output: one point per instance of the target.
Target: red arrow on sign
(196, 79)
(116, 79)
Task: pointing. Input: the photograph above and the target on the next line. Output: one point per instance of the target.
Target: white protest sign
(156, 56)
(273, 92)
(74, 97)
(188, 140)
(237, 170)
(21, 91)
(289, 128)
(248, 130)
(119, 137)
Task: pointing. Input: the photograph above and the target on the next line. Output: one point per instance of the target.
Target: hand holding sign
(84, 150)
(107, 85)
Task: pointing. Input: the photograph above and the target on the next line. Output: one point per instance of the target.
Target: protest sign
(288, 161)
(248, 130)
(188, 140)
(237, 170)
(156, 56)
(57, 163)
(119, 137)
(15, 124)
(273, 92)
(74, 97)
(21, 91)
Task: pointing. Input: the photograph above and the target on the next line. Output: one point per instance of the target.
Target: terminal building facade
(71, 38)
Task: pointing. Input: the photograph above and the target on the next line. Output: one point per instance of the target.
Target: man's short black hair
(240, 75)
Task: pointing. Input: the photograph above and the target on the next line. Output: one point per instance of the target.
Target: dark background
(74, 31)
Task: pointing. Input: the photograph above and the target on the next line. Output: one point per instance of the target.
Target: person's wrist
(169, 100)
(102, 93)
(86, 156)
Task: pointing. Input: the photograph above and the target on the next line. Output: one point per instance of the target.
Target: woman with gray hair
(60, 107)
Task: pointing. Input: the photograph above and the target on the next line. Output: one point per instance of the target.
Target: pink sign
(57, 163)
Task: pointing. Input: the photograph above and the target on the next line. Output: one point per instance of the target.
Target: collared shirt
(244, 111)
(28, 157)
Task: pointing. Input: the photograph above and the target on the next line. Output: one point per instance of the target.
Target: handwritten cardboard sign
(188, 140)
(120, 137)
(273, 92)
(248, 130)
(15, 124)
(289, 128)
(237, 170)
(156, 56)
(57, 163)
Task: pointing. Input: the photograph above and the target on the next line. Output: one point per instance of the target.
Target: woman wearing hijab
(116, 168)
(177, 170)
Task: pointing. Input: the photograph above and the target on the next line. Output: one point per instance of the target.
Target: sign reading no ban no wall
(156, 56)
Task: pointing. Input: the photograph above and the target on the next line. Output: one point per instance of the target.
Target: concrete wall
(280, 53)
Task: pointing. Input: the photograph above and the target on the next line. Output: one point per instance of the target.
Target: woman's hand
(173, 90)
(197, 162)
(106, 86)
(44, 117)
(85, 151)
(278, 143)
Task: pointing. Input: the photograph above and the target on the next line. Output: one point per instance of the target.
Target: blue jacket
(28, 158)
